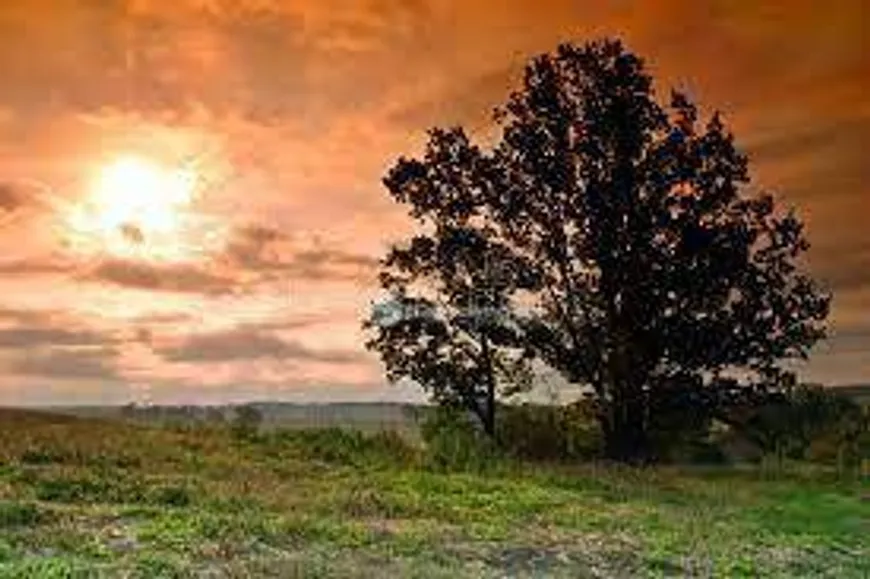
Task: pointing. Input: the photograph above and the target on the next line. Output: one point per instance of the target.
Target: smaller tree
(449, 324)
(214, 415)
(246, 422)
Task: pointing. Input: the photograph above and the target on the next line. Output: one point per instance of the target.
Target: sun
(135, 193)
(136, 207)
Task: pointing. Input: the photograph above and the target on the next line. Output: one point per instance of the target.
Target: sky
(267, 126)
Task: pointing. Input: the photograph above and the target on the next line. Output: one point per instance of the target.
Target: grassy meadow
(85, 497)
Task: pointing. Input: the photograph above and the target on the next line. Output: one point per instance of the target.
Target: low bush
(810, 423)
(170, 496)
(246, 422)
(548, 432)
(350, 447)
(16, 514)
(453, 442)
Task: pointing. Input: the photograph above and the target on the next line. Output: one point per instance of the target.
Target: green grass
(89, 498)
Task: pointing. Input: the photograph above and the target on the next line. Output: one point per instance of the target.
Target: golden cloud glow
(136, 193)
(148, 148)
(137, 208)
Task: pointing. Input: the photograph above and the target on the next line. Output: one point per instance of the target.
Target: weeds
(337, 503)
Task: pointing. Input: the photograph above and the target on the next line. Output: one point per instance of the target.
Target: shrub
(246, 422)
(14, 514)
(391, 446)
(352, 447)
(71, 490)
(705, 452)
(170, 496)
(547, 432)
(454, 442)
(88, 489)
(42, 456)
(845, 442)
(810, 422)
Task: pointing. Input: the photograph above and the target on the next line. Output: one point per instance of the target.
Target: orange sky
(291, 111)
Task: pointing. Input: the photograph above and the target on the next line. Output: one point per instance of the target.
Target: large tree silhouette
(633, 256)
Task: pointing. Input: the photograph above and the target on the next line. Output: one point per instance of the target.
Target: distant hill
(860, 392)
(357, 415)
(372, 416)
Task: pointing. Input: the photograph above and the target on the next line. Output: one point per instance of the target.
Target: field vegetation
(99, 498)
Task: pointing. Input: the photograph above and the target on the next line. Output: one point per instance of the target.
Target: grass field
(85, 497)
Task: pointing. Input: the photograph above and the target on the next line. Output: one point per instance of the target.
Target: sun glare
(135, 193)
(137, 208)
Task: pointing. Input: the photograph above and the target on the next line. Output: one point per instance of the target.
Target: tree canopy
(610, 237)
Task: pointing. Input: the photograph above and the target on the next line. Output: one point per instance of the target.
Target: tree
(448, 324)
(246, 421)
(215, 415)
(807, 421)
(638, 260)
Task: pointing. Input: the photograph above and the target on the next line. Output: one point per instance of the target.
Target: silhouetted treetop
(618, 237)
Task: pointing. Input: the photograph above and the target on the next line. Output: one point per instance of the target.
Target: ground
(97, 498)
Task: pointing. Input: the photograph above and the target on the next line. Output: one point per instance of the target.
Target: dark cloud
(471, 104)
(67, 364)
(304, 322)
(254, 255)
(179, 278)
(11, 197)
(252, 247)
(844, 267)
(172, 318)
(35, 266)
(29, 329)
(24, 338)
(841, 137)
(28, 316)
(326, 264)
(276, 255)
(16, 196)
(47, 343)
(854, 338)
(247, 344)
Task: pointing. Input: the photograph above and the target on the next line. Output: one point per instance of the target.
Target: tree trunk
(626, 437)
(489, 407)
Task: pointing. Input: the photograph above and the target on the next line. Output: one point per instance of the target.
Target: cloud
(843, 267)
(27, 329)
(35, 266)
(836, 137)
(305, 105)
(27, 316)
(274, 254)
(253, 255)
(11, 198)
(49, 344)
(24, 338)
(68, 364)
(18, 196)
(853, 338)
(179, 278)
(247, 344)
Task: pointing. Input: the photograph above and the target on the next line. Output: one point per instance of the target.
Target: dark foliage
(349, 447)
(608, 236)
(550, 432)
(454, 443)
(246, 421)
(807, 422)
